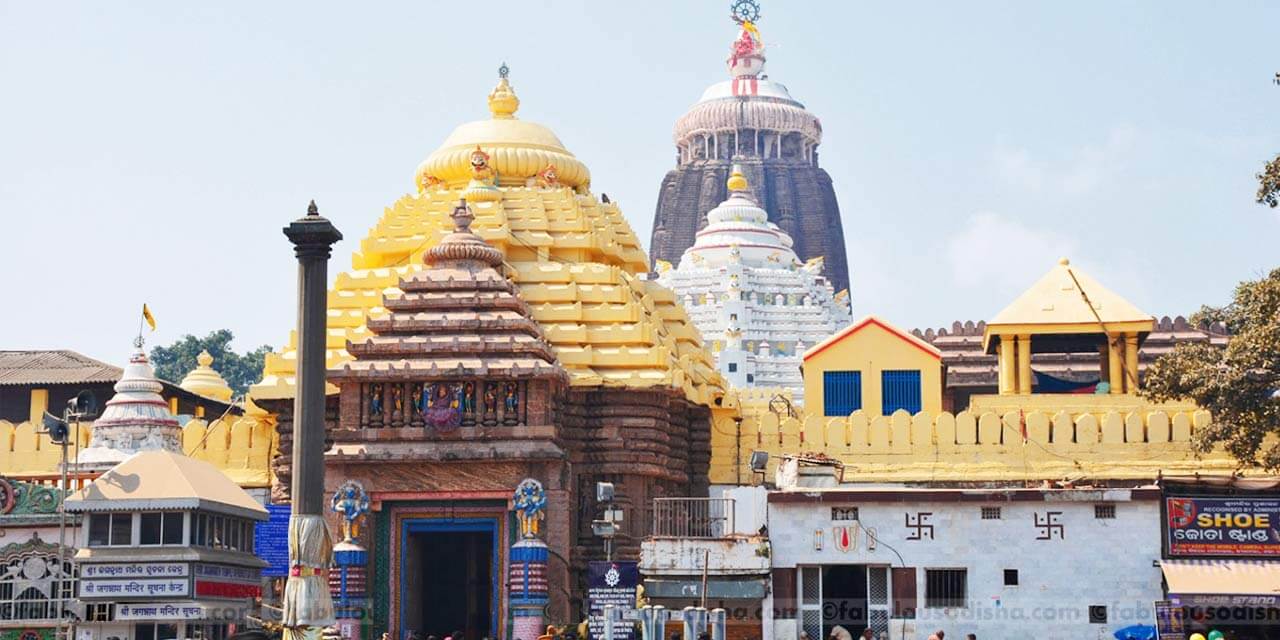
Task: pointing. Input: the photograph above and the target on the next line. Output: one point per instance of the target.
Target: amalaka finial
(502, 100)
(462, 217)
(312, 209)
(1064, 262)
(737, 181)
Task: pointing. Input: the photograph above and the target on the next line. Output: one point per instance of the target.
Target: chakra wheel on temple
(745, 10)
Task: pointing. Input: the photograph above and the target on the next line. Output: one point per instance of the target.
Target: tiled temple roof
(573, 258)
(458, 317)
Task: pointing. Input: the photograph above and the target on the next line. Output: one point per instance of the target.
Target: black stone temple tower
(752, 121)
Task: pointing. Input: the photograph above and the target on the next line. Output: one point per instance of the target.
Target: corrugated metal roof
(57, 366)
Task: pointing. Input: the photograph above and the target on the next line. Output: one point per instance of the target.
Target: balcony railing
(693, 517)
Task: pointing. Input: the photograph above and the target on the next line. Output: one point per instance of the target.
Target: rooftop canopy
(161, 480)
(1067, 311)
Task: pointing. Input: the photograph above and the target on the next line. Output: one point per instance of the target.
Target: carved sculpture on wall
(442, 413)
(351, 502)
(530, 501)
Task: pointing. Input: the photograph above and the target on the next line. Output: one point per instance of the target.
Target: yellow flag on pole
(146, 315)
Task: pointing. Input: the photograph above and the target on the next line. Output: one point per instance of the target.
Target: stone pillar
(1131, 362)
(1024, 364)
(528, 588)
(308, 605)
(1004, 354)
(1115, 368)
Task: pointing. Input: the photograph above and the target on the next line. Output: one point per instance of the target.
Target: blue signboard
(271, 541)
(611, 583)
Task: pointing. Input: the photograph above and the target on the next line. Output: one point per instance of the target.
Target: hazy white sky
(152, 151)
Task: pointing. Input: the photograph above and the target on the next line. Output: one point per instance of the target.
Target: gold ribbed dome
(203, 380)
(518, 149)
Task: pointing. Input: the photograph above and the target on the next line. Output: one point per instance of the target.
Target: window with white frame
(110, 529)
(160, 528)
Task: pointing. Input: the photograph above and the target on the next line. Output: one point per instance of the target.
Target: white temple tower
(136, 419)
(757, 305)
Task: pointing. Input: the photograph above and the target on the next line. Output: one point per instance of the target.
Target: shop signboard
(1221, 527)
(226, 581)
(612, 583)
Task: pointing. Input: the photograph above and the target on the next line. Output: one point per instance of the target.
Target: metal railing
(693, 517)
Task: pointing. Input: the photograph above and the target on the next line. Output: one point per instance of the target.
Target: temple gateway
(495, 333)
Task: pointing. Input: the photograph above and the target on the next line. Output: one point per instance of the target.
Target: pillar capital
(312, 235)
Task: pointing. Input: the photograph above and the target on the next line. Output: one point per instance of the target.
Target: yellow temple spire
(205, 381)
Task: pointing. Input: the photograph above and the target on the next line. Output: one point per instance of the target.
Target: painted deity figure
(397, 399)
(511, 402)
(481, 171)
(490, 400)
(351, 502)
(429, 183)
(530, 502)
(375, 399)
(468, 397)
(548, 177)
(443, 412)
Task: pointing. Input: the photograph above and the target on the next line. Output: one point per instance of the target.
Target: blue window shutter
(900, 390)
(841, 392)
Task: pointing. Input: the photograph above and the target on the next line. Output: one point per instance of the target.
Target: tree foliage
(1269, 179)
(175, 361)
(1269, 184)
(1238, 384)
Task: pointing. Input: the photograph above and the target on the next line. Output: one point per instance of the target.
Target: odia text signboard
(118, 580)
(151, 611)
(1221, 527)
(611, 583)
(224, 581)
(271, 541)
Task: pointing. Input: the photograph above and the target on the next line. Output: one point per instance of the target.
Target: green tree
(1238, 384)
(1269, 179)
(175, 361)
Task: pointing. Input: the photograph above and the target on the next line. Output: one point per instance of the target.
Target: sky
(152, 151)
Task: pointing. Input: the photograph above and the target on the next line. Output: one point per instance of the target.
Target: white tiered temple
(757, 305)
(136, 419)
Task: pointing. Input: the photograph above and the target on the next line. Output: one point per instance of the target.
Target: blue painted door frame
(455, 525)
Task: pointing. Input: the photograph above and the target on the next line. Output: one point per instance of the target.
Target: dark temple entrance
(844, 595)
(449, 580)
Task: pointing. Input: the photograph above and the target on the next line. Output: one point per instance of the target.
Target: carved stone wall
(798, 195)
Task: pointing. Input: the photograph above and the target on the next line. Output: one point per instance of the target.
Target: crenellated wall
(976, 446)
(241, 446)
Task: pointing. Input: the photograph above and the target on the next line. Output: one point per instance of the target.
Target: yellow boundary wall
(975, 447)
